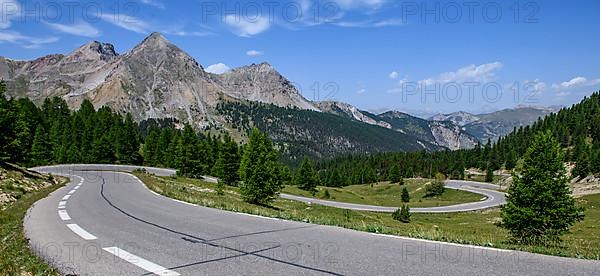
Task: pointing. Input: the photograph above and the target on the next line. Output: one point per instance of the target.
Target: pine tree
(511, 160)
(128, 142)
(394, 175)
(539, 205)
(489, 174)
(260, 172)
(582, 165)
(305, 177)
(7, 119)
(41, 151)
(228, 162)
(189, 151)
(150, 148)
(405, 195)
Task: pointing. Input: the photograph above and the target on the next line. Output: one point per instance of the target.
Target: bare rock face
(262, 83)
(459, 118)
(155, 79)
(352, 112)
(444, 134)
(58, 75)
(496, 124)
(451, 136)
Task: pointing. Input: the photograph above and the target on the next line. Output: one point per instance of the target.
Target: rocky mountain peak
(155, 40)
(94, 50)
(394, 114)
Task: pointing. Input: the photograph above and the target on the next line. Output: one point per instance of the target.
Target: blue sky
(413, 56)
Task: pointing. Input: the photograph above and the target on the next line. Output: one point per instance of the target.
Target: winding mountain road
(109, 223)
(492, 198)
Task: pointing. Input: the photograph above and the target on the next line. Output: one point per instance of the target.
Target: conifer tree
(7, 119)
(188, 153)
(394, 175)
(305, 177)
(539, 206)
(259, 170)
(489, 174)
(228, 162)
(405, 195)
(582, 165)
(41, 153)
(150, 148)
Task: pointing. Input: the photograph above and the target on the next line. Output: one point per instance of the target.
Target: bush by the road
(402, 214)
(436, 188)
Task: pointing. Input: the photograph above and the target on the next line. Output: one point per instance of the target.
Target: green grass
(477, 228)
(16, 257)
(386, 194)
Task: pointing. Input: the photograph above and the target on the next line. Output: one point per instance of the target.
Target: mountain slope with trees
(576, 128)
(316, 134)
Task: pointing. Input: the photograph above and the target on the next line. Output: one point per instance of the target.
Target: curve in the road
(116, 226)
(492, 197)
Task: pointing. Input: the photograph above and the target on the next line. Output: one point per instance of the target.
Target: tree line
(53, 134)
(576, 129)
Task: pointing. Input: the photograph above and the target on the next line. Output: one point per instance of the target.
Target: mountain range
(158, 80)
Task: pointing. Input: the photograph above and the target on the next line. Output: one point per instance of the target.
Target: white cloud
(393, 75)
(565, 88)
(9, 10)
(369, 23)
(254, 53)
(126, 22)
(536, 85)
(218, 68)
(471, 73)
(389, 23)
(154, 3)
(186, 33)
(361, 91)
(577, 81)
(80, 29)
(355, 4)
(25, 41)
(246, 28)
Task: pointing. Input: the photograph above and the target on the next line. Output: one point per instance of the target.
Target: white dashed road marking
(64, 215)
(140, 262)
(66, 197)
(62, 205)
(82, 233)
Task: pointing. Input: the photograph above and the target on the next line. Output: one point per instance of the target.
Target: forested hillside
(316, 134)
(52, 134)
(577, 128)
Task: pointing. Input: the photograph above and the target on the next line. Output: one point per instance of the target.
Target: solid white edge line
(444, 243)
(80, 232)
(140, 262)
(64, 215)
(66, 197)
(183, 202)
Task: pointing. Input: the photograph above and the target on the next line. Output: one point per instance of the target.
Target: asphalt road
(109, 223)
(490, 198)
